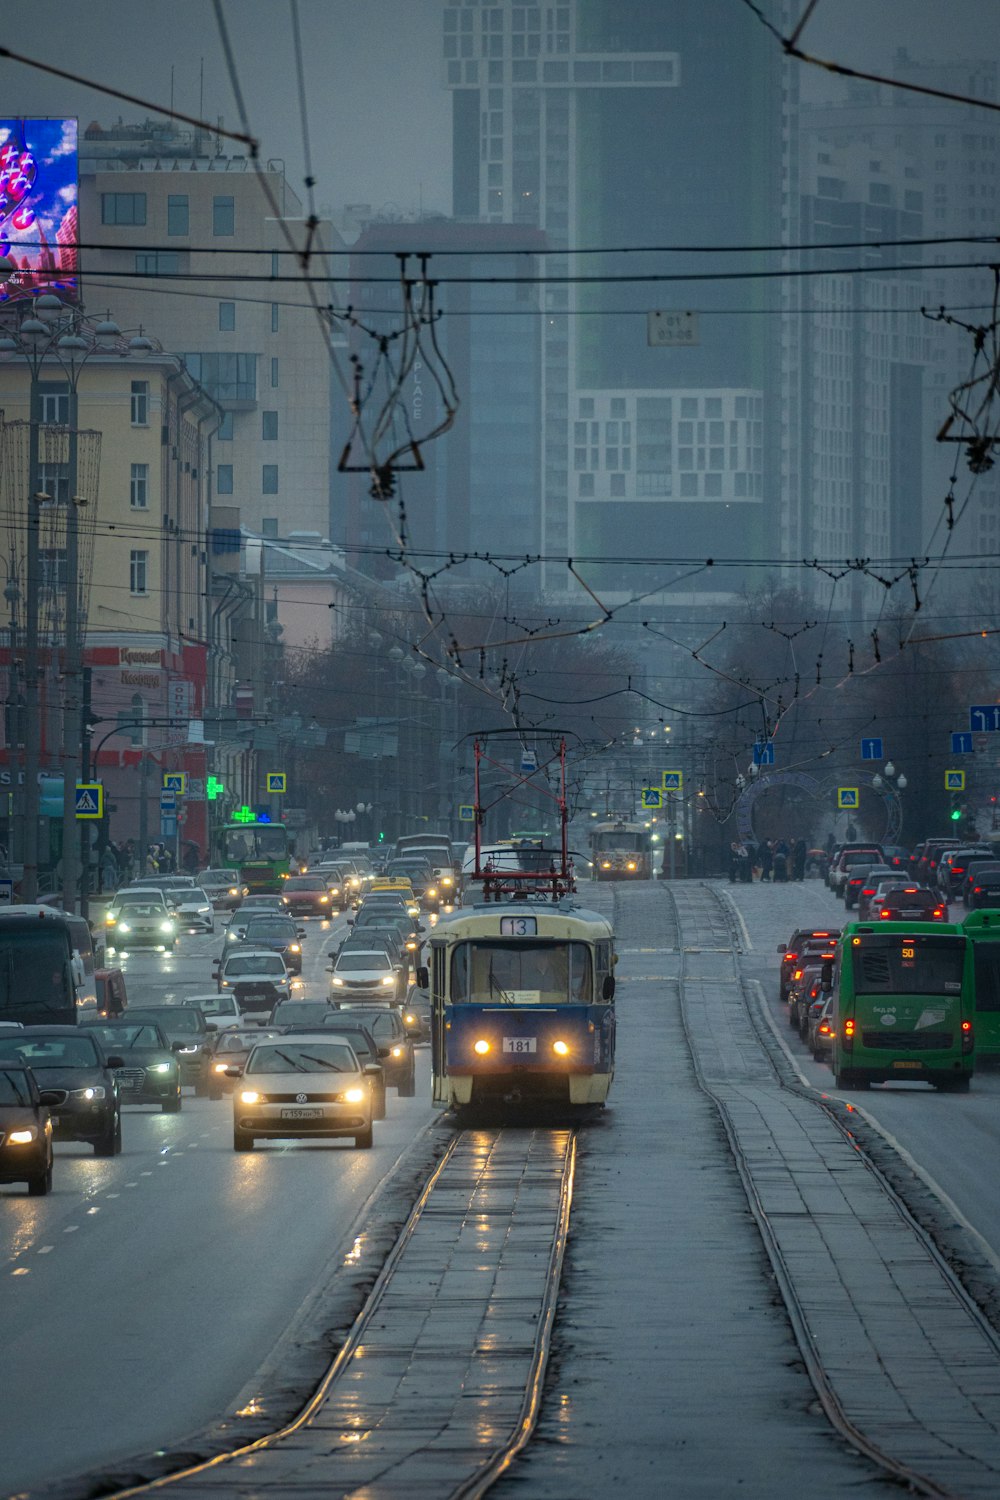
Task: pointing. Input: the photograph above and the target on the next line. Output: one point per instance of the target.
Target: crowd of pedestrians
(776, 860)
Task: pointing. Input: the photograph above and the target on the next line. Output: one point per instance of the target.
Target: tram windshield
(512, 973)
(621, 839)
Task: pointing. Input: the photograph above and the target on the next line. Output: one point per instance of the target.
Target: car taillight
(868, 893)
(790, 958)
(884, 915)
(938, 911)
(958, 869)
(977, 890)
(825, 1029)
(848, 1035)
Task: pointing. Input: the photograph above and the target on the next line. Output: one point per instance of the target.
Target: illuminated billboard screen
(39, 208)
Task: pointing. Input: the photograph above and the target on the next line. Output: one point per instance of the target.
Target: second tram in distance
(620, 851)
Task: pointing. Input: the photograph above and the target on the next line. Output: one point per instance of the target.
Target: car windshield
(359, 1041)
(295, 1012)
(305, 883)
(55, 1052)
(177, 1018)
(195, 896)
(118, 1038)
(135, 909)
(258, 963)
(242, 1041)
(380, 1023)
(352, 963)
(14, 1087)
(216, 877)
(288, 1056)
(271, 930)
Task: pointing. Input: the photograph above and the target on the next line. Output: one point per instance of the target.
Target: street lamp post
(890, 783)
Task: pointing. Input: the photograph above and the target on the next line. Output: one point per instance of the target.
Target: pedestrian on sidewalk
(765, 858)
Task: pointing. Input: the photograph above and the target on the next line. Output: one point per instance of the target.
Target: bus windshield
(36, 982)
(255, 842)
(512, 973)
(908, 965)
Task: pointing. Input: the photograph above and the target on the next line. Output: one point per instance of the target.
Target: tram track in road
(904, 1364)
(438, 1384)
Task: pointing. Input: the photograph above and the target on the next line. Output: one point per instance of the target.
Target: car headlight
(167, 927)
(411, 946)
(410, 1020)
(431, 891)
(110, 920)
(334, 891)
(413, 911)
(338, 981)
(220, 1067)
(186, 1051)
(397, 1051)
(160, 1068)
(224, 983)
(94, 1093)
(447, 880)
(294, 948)
(326, 898)
(233, 891)
(249, 1096)
(354, 1096)
(388, 979)
(22, 1137)
(124, 927)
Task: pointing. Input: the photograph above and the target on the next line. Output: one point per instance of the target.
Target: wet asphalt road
(142, 1294)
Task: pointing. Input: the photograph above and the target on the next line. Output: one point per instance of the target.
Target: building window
(269, 526)
(713, 486)
(224, 480)
(139, 487)
(586, 406)
(140, 403)
(274, 317)
(269, 479)
(225, 432)
(52, 574)
(54, 403)
(689, 406)
(177, 214)
(123, 208)
(585, 484)
(157, 263)
(227, 317)
(689, 486)
(226, 377)
(617, 485)
(53, 483)
(138, 563)
(269, 426)
(223, 216)
(274, 374)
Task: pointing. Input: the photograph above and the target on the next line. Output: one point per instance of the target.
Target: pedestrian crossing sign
(652, 797)
(89, 799)
(277, 782)
(847, 796)
(954, 781)
(673, 781)
(175, 781)
(466, 812)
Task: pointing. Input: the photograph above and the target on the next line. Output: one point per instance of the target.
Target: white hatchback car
(304, 1086)
(257, 977)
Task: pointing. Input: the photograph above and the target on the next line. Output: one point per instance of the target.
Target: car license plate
(519, 1044)
(907, 1065)
(301, 1114)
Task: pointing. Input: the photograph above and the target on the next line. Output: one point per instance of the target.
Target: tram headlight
(631, 864)
(481, 1047)
(561, 1048)
(605, 864)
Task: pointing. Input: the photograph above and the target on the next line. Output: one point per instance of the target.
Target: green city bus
(983, 928)
(904, 1005)
(259, 850)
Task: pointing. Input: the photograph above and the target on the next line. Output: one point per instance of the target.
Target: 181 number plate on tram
(519, 1044)
(518, 926)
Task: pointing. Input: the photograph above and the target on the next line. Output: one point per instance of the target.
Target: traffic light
(956, 808)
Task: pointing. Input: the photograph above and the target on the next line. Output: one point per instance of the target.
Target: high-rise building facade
(615, 125)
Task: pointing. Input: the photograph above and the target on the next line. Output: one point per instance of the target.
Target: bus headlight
(561, 1048)
(481, 1047)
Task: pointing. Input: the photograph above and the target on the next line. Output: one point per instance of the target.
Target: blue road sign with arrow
(984, 718)
(871, 749)
(763, 753)
(961, 743)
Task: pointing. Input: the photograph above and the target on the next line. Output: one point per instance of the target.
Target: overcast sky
(378, 115)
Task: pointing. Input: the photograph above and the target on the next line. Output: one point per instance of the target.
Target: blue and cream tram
(522, 1004)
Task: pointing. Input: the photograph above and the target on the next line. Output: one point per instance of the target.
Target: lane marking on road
(131, 1184)
(45, 1249)
(112, 1195)
(71, 1229)
(21, 1271)
(929, 1182)
(145, 1174)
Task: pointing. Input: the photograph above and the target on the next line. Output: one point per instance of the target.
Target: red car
(307, 896)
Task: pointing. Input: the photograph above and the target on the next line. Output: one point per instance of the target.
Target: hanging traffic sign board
(168, 803)
(984, 718)
(847, 796)
(673, 781)
(277, 783)
(89, 799)
(871, 749)
(961, 743)
(466, 812)
(954, 781)
(652, 797)
(175, 781)
(763, 753)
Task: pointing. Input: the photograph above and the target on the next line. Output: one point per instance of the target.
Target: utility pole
(32, 695)
(72, 727)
